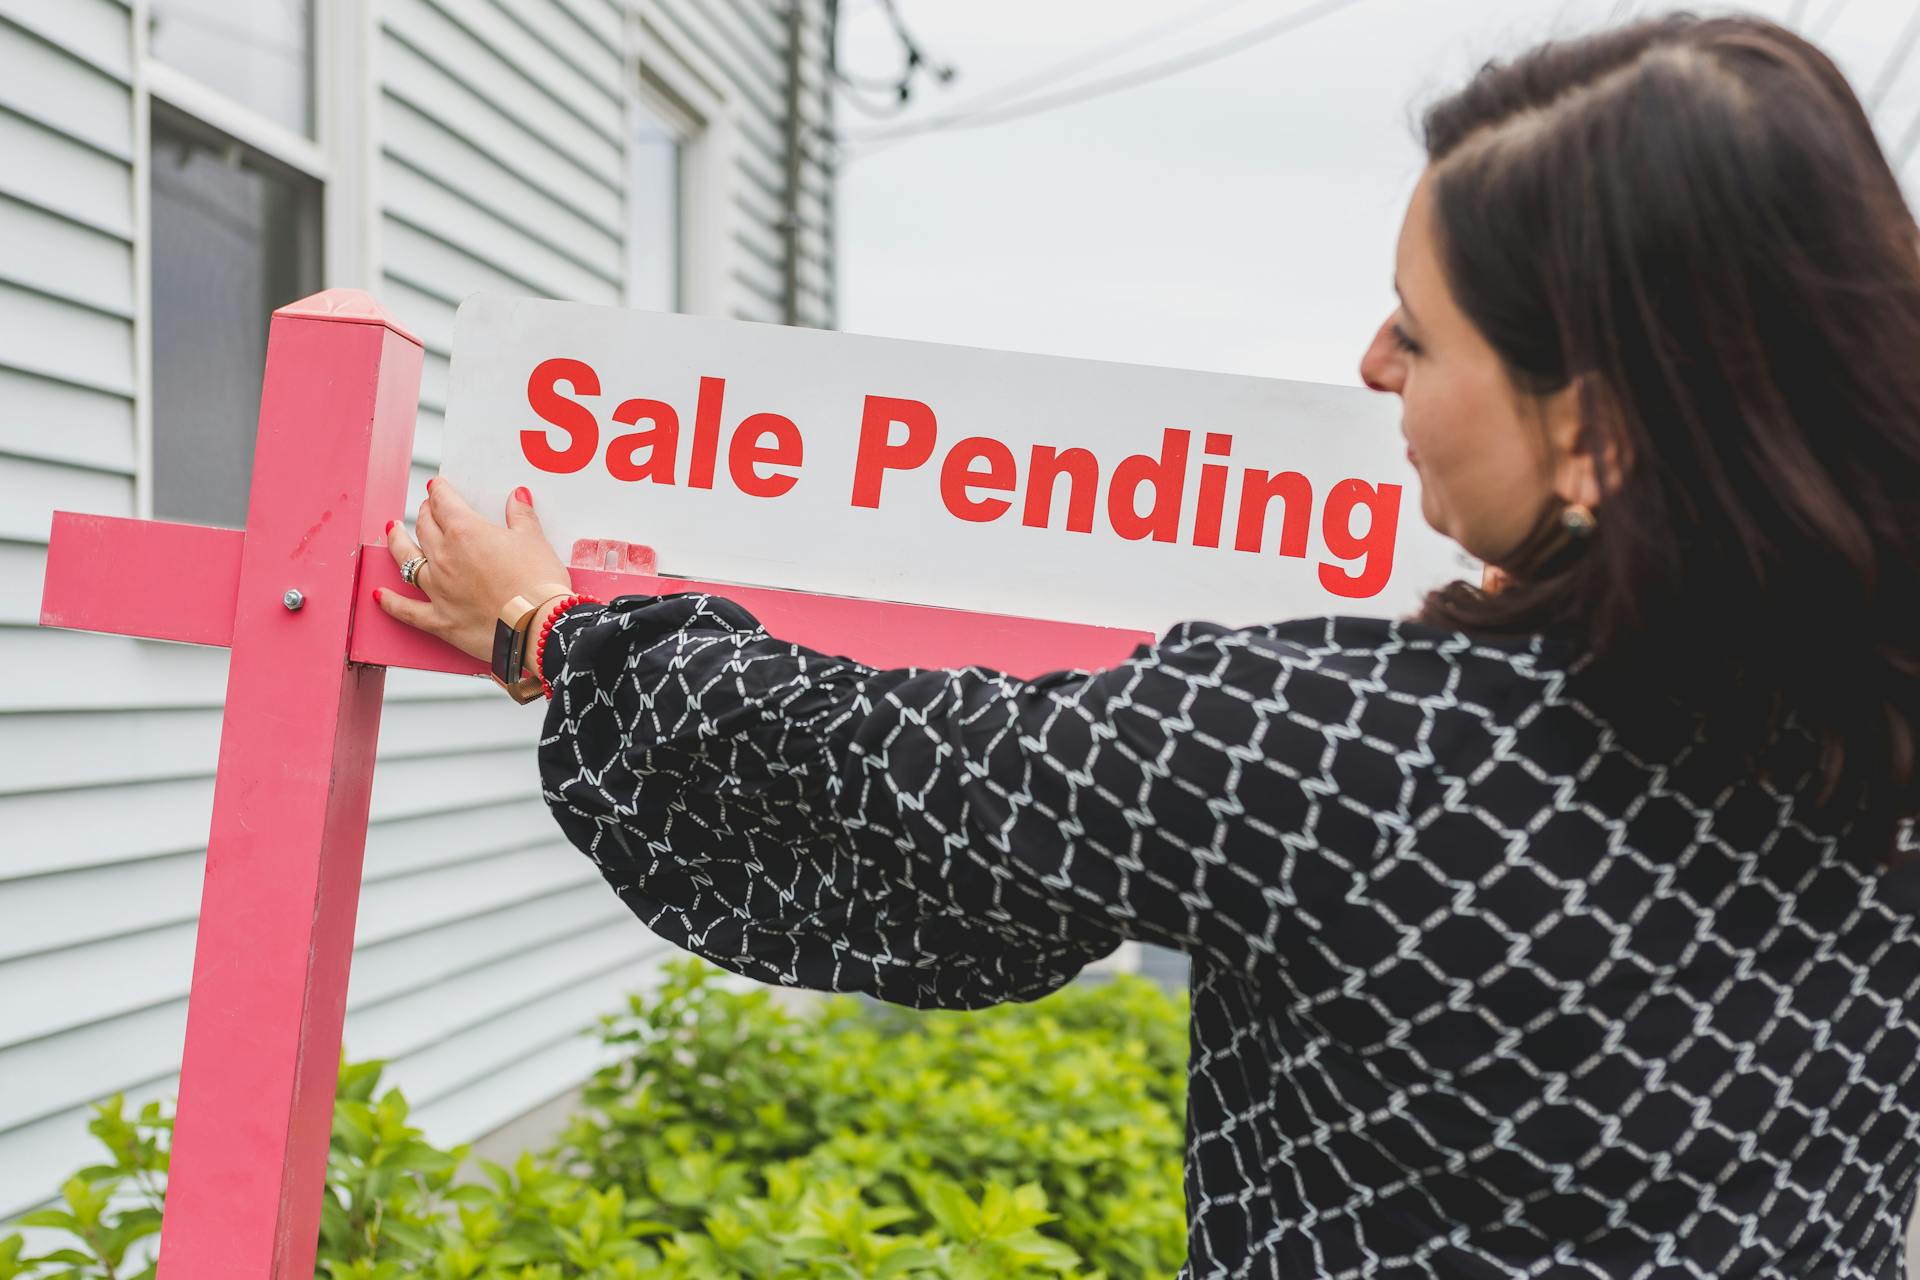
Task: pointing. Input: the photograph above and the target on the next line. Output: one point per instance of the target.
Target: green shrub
(734, 1137)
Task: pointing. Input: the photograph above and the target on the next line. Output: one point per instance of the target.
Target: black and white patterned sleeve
(950, 838)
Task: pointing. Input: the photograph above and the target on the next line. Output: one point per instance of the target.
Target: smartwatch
(510, 642)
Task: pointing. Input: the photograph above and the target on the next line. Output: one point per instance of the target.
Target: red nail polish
(376, 595)
(430, 484)
(390, 525)
(522, 494)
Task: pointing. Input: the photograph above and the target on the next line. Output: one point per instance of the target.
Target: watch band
(510, 641)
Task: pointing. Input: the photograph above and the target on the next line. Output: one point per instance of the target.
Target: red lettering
(745, 453)
(957, 476)
(1213, 493)
(1083, 477)
(876, 454)
(661, 441)
(1383, 525)
(572, 417)
(1257, 490)
(706, 432)
(1167, 474)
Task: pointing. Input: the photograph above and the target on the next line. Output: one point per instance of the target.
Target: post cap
(351, 306)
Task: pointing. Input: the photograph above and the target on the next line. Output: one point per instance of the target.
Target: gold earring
(1579, 519)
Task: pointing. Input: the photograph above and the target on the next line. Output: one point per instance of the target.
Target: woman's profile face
(1489, 456)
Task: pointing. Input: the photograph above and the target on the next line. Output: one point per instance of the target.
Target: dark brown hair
(1692, 217)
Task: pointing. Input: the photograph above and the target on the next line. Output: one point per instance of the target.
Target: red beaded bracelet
(546, 629)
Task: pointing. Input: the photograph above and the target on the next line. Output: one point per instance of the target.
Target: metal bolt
(293, 599)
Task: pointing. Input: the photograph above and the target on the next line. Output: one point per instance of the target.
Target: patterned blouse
(1484, 983)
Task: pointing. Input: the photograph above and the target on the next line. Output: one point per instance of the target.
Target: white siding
(501, 169)
(66, 440)
(485, 944)
(746, 41)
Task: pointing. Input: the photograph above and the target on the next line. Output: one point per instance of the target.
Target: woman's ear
(1587, 456)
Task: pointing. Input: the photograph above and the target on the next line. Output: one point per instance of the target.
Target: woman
(1560, 930)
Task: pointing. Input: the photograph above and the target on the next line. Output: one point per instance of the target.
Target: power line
(1819, 29)
(855, 96)
(900, 87)
(880, 84)
(1903, 150)
(1902, 50)
(1909, 141)
(1126, 80)
(1114, 84)
(1047, 76)
(897, 101)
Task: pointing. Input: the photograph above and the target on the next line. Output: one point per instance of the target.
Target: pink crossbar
(877, 632)
(105, 573)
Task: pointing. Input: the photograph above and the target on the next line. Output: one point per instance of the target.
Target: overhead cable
(1050, 77)
(1890, 71)
(1200, 57)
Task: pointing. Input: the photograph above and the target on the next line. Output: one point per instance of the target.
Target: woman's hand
(473, 567)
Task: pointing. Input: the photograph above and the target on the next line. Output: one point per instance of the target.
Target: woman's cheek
(1432, 503)
(1432, 486)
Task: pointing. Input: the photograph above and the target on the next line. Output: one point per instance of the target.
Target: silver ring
(411, 569)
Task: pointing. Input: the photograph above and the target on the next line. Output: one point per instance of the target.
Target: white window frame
(679, 85)
(341, 157)
(648, 106)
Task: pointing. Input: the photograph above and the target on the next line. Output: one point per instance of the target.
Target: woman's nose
(1376, 362)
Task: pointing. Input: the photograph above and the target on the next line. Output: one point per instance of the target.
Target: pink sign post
(291, 596)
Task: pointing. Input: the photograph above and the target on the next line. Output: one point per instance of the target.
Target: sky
(1238, 217)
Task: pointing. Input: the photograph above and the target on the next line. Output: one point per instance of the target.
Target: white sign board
(1076, 490)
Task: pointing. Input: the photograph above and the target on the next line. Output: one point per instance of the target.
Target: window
(654, 202)
(235, 192)
(683, 217)
(234, 236)
(260, 54)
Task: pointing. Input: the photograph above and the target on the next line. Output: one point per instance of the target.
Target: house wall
(498, 162)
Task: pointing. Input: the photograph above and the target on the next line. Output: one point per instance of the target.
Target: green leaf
(951, 1207)
(68, 1255)
(742, 1139)
(358, 1080)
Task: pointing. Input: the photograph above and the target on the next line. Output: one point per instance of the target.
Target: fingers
(415, 613)
(403, 548)
(419, 614)
(520, 512)
(400, 543)
(449, 507)
(427, 528)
